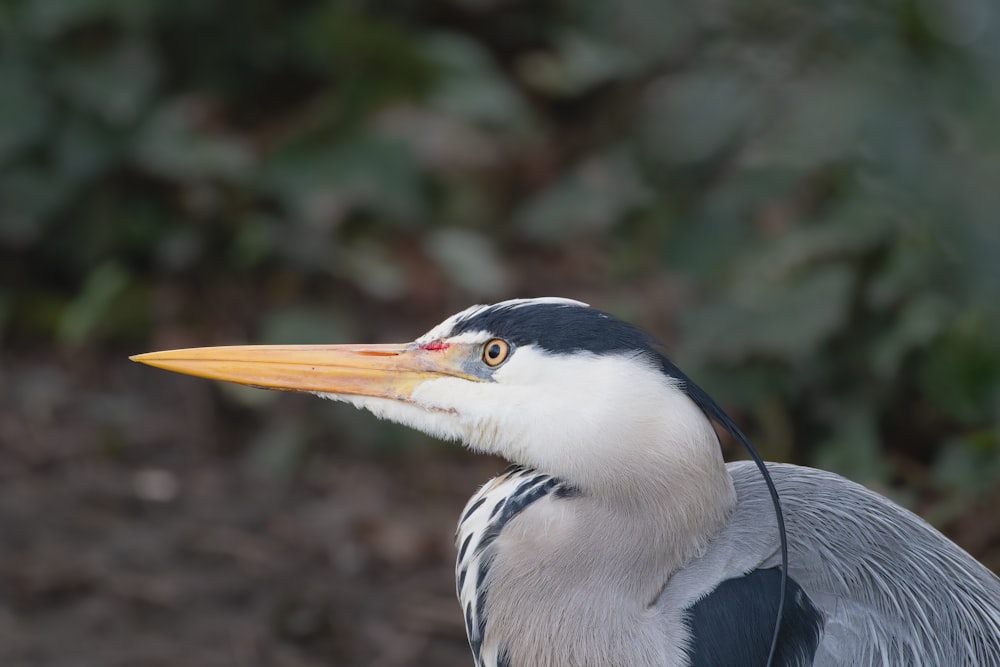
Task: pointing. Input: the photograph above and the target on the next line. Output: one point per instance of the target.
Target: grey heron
(619, 536)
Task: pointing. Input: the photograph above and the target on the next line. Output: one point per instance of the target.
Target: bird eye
(495, 352)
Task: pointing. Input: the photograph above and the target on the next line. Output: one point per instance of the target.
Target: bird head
(549, 383)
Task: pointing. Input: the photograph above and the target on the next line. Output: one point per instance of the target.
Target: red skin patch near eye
(436, 346)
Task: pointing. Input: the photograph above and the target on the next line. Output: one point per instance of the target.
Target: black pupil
(493, 351)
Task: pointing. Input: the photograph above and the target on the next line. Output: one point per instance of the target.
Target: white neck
(590, 568)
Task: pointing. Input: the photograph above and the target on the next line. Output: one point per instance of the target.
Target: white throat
(653, 490)
(590, 566)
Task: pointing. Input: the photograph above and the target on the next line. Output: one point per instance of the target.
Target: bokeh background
(801, 199)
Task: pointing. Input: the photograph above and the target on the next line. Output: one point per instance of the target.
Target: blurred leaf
(255, 241)
(977, 245)
(178, 249)
(303, 325)
(918, 323)
(905, 270)
(969, 466)
(90, 307)
(279, 451)
(820, 119)
(377, 54)
(854, 450)
(171, 145)
(798, 250)
(29, 197)
(24, 109)
(49, 18)
(649, 31)
(967, 470)
(373, 269)
(251, 398)
(116, 85)
(693, 116)
(723, 219)
(749, 386)
(469, 85)
(84, 152)
(593, 198)
(960, 22)
(5, 308)
(787, 322)
(439, 140)
(470, 261)
(323, 183)
(577, 64)
(961, 372)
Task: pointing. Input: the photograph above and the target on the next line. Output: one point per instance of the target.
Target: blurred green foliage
(808, 192)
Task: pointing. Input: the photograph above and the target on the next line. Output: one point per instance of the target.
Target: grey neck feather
(591, 566)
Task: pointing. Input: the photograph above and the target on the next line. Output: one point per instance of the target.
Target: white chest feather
(484, 517)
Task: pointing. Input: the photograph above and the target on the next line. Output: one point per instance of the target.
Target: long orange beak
(385, 371)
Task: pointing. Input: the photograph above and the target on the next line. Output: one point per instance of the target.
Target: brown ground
(135, 532)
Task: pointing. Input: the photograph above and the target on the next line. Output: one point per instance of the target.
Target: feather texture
(891, 590)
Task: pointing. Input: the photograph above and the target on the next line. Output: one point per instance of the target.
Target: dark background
(801, 199)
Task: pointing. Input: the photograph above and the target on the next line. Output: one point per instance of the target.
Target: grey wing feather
(893, 590)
